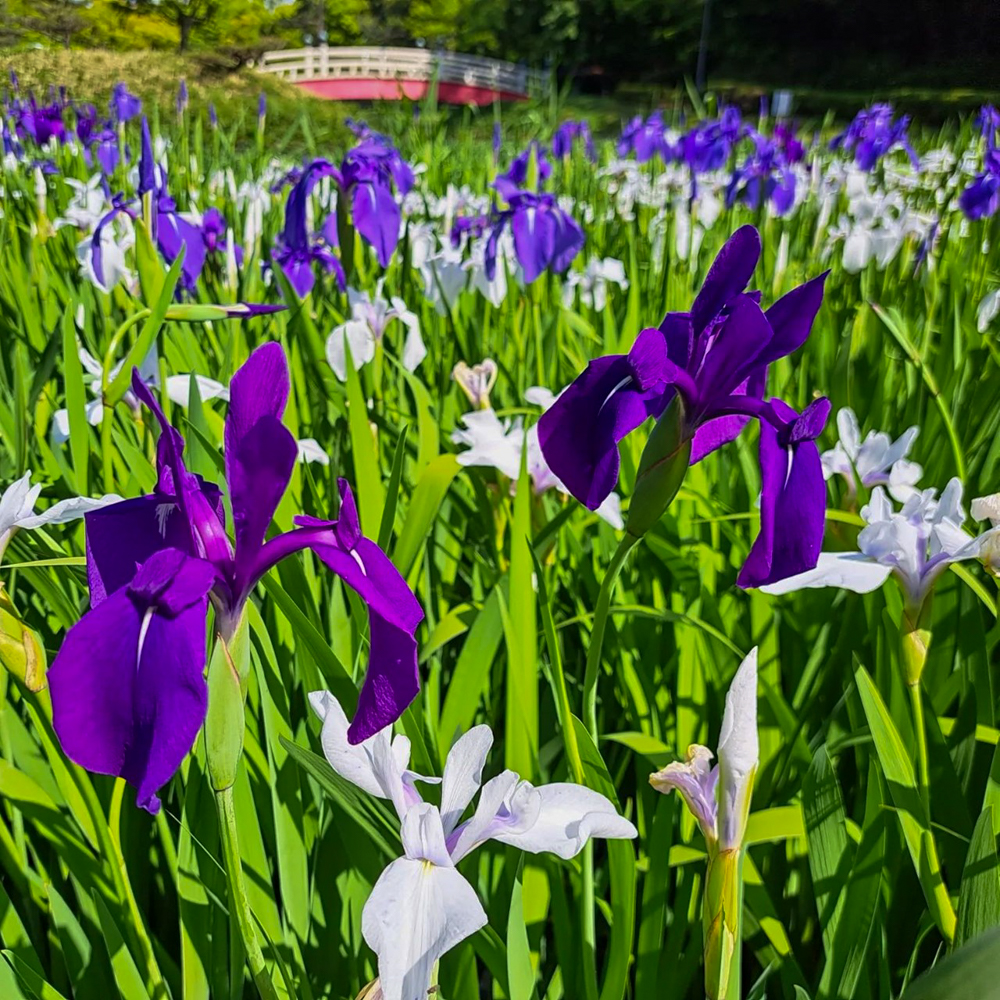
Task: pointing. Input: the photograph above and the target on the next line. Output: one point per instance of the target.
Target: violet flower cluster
(764, 176)
(873, 134)
(647, 138)
(568, 134)
(128, 691)
(981, 198)
(171, 229)
(366, 178)
(715, 360)
(546, 237)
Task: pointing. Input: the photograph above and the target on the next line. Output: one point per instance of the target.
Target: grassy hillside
(89, 75)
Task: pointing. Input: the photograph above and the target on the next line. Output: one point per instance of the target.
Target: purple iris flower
(367, 176)
(261, 106)
(124, 106)
(714, 357)
(98, 139)
(172, 230)
(213, 234)
(15, 82)
(213, 229)
(788, 142)
(545, 237)
(362, 130)
(982, 197)
(873, 133)
(764, 175)
(11, 147)
(289, 177)
(86, 122)
(647, 138)
(709, 144)
(42, 122)
(497, 140)
(128, 692)
(516, 175)
(182, 97)
(213, 117)
(988, 123)
(105, 147)
(47, 167)
(472, 226)
(298, 249)
(567, 134)
(147, 164)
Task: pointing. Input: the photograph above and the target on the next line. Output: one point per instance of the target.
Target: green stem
(238, 902)
(923, 762)
(625, 546)
(590, 676)
(589, 925)
(938, 900)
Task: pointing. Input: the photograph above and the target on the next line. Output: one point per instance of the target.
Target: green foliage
(852, 864)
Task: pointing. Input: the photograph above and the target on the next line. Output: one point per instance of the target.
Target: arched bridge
(364, 74)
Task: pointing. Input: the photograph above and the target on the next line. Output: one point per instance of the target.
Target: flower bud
(662, 469)
(20, 651)
(721, 924)
(477, 381)
(225, 721)
(198, 312)
(915, 642)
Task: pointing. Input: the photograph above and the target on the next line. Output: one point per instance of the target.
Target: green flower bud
(915, 641)
(662, 469)
(225, 720)
(721, 924)
(21, 654)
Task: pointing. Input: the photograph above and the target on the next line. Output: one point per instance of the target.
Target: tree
(58, 20)
(184, 15)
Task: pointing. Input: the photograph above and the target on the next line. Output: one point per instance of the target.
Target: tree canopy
(840, 43)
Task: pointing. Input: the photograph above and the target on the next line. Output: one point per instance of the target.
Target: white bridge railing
(354, 62)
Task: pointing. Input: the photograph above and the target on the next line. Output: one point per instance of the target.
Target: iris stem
(938, 900)
(923, 763)
(587, 899)
(238, 902)
(625, 546)
(589, 922)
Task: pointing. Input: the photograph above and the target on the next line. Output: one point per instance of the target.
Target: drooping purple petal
(793, 498)
(376, 217)
(173, 232)
(579, 433)
(92, 681)
(124, 535)
(392, 679)
(534, 230)
(128, 692)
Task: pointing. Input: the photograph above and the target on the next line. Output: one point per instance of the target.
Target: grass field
(153, 847)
